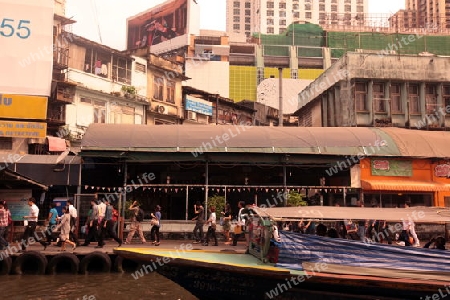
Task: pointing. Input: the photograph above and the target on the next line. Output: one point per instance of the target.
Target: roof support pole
(285, 195)
(187, 202)
(206, 189)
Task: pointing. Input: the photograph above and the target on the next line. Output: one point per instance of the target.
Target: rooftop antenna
(94, 9)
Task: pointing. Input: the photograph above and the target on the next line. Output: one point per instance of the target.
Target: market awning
(404, 186)
(56, 144)
(419, 214)
(49, 169)
(13, 180)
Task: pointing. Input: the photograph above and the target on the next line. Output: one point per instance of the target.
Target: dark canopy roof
(239, 139)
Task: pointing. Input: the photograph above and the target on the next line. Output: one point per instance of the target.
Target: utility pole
(280, 95)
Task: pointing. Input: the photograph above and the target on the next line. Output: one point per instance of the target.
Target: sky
(104, 21)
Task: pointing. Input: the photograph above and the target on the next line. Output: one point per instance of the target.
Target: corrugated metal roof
(247, 139)
(404, 185)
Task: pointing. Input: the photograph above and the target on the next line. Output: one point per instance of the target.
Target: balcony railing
(60, 58)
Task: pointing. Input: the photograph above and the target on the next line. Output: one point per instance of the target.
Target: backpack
(140, 215)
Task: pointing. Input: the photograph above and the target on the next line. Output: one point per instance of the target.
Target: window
(347, 8)
(322, 7)
(295, 6)
(296, 15)
(170, 92)
(396, 103)
(140, 67)
(236, 27)
(283, 22)
(248, 12)
(247, 27)
(158, 88)
(308, 6)
(308, 15)
(360, 9)
(378, 97)
(269, 21)
(236, 4)
(282, 5)
(99, 111)
(247, 20)
(282, 14)
(413, 98)
(248, 5)
(334, 8)
(361, 96)
(430, 98)
(446, 96)
(281, 30)
(270, 13)
(270, 5)
(236, 12)
(5, 143)
(270, 30)
(236, 19)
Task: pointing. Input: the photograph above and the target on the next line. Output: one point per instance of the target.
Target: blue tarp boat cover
(298, 250)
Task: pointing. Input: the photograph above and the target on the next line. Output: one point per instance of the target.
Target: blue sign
(200, 107)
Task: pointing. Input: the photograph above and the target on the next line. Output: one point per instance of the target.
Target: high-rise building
(433, 15)
(273, 16)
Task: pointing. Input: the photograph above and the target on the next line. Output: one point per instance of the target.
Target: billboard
(199, 105)
(166, 25)
(23, 129)
(23, 107)
(26, 52)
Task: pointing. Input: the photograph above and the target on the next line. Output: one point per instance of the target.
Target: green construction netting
(306, 35)
(340, 42)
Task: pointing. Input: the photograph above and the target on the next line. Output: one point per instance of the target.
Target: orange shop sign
(23, 107)
(23, 129)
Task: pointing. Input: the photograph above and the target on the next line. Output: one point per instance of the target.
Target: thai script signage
(199, 105)
(23, 129)
(391, 167)
(442, 170)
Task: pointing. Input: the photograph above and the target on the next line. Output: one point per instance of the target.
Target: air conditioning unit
(192, 115)
(160, 109)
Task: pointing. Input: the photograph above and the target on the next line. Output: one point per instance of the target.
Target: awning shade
(404, 186)
(13, 180)
(418, 214)
(56, 144)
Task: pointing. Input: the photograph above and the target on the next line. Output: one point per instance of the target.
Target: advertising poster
(17, 202)
(26, 52)
(159, 24)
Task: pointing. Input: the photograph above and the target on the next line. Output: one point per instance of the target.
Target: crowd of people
(367, 231)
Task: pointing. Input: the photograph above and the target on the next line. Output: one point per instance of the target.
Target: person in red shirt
(3, 225)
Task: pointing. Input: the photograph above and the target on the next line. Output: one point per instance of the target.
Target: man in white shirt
(101, 211)
(32, 222)
(73, 222)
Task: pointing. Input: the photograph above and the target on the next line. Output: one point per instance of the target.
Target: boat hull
(222, 280)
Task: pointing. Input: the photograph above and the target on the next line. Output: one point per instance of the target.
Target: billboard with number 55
(26, 47)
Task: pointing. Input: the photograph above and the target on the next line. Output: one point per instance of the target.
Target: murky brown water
(91, 287)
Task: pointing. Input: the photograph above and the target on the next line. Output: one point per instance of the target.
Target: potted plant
(129, 91)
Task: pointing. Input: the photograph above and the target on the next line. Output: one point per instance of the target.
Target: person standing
(64, 225)
(135, 223)
(412, 228)
(156, 222)
(227, 223)
(199, 222)
(73, 222)
(32, 219)
(10, 222)
(241, 220)
(108, 227)
(51, 220)
(3, 225)
(211, 227)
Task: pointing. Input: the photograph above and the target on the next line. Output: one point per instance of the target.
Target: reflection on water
(89, 287)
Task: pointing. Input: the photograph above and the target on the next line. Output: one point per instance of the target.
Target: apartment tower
(273, 16)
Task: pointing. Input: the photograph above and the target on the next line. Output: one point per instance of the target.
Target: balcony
(60, 58)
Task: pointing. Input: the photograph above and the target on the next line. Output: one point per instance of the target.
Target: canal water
(89, 287)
